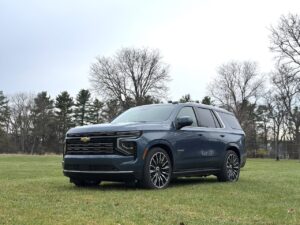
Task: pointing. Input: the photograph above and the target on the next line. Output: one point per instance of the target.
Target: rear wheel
(157, 169)
(231, 167)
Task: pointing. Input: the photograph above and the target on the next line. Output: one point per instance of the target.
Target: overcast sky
(50, 44)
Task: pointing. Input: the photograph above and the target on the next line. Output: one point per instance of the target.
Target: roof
(193, 104)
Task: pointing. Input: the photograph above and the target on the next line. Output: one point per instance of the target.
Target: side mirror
(183, 122)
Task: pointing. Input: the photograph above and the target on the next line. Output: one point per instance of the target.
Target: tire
(85, 183)
(157, 169)
(230, 171)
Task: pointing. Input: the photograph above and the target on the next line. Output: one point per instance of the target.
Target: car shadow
(193, 180)
(110, 186)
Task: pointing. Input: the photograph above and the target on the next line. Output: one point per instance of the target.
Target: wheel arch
(165, 146)
(236, 149)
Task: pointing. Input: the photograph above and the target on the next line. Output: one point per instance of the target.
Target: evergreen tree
(64, 103)
(4, 113)
(82, 107)
(95, 112)
(207, 100)
(4, 121)
(44, 124)
(185, 98)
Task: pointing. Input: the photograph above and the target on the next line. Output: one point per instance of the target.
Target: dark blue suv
(152, 144)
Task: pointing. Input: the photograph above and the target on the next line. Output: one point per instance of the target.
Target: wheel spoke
(159, 170)
(232, 166)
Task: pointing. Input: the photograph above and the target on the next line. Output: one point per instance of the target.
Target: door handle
(222, 135)
(199, 134)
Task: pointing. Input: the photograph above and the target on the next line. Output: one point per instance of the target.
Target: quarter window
(188, 111)
(230, 120)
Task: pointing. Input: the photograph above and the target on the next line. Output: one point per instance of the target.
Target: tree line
(266, 105)
(37, 124)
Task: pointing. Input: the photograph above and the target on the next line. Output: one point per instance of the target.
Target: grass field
(34, 191)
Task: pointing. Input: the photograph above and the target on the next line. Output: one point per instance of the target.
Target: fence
(286, 150)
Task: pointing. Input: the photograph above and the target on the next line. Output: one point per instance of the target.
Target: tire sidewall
(224, 173)
(147, 183)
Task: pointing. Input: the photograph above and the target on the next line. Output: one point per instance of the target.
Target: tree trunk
(298, 141)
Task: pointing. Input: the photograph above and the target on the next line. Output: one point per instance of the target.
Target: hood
(130, 126)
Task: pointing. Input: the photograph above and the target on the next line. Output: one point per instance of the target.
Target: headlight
(131, 134)
(126, 146)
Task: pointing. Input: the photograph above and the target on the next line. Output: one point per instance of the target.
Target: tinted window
(153, 113)
(206, 118)
(230, 120)
(188, 111)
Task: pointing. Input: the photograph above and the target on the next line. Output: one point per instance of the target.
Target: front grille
(97, 143)
(94, 146)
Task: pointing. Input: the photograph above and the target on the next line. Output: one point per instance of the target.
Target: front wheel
(157, 169)
(231, 167)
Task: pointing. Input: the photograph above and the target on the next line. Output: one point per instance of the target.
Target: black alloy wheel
(157, 169)
(231, 167)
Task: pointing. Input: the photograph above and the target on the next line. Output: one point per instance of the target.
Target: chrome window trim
(219, 118)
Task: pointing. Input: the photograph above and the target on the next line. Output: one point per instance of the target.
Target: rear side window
(206, 118)
(230, 120)
(188, 111)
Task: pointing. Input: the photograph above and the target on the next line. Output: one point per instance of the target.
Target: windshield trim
(172, 108)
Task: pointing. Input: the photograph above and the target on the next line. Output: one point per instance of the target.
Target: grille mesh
(94, 146)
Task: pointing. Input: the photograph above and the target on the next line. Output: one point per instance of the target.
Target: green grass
(34, 191)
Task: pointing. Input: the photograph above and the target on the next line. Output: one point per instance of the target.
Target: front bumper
(103, 167)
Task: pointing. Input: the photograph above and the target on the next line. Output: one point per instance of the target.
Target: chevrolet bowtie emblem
(85, 139)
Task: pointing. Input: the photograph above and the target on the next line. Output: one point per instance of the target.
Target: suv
(153, 144)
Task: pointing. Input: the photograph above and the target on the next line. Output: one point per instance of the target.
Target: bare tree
(287, 87)
(237, 85)
(237, 88)
(277, 114)
(21, 120)
(132, 74)
(285, 41)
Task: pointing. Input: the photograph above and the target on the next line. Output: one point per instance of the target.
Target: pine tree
(82, 107)
(185, 98)
(207, 100)
(4, 112)
(64, 103)
(43, 124)
(4, 122)
(95, 113)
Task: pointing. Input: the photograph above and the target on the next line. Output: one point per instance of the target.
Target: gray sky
(50, 44)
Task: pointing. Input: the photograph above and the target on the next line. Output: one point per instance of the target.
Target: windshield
(153, 113)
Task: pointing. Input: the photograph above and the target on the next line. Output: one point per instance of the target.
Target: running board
(195, 172)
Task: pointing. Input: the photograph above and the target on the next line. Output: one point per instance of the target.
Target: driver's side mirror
(183, 121)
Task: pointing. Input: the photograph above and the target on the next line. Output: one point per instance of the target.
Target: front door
(190, 143)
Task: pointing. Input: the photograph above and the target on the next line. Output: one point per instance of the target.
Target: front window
(153, 113)
(188, 111)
